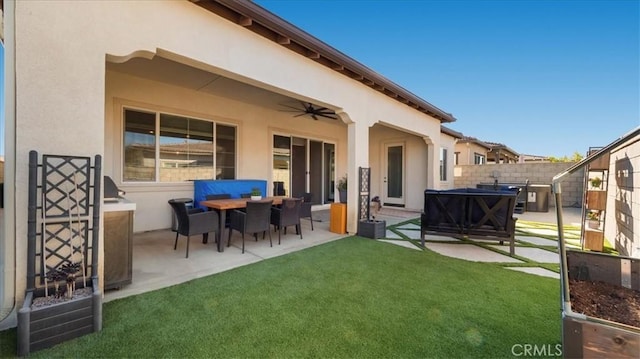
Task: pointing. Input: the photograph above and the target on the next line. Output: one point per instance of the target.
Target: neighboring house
(532, 158)
(500, 153)
(471, 151)
(448, 140)
(171, 91)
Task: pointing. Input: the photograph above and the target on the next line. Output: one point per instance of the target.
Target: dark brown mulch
(605, 301)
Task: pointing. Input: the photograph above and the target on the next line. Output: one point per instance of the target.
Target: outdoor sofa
(470, 213)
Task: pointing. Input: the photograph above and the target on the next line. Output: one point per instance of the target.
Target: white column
(433, 163)
(358, 148)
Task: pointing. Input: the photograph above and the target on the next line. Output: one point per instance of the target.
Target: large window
(443, 164)
(478, 159)
(183, 149)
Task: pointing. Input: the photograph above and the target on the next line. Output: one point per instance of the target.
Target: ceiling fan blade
(292, 107)
(314, 116)
(302, 114)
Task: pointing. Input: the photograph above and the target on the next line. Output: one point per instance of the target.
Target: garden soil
(605, 301)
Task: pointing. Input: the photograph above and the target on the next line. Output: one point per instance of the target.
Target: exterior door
(393, 175)
(303, 165)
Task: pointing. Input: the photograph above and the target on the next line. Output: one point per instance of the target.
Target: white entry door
(393, 175)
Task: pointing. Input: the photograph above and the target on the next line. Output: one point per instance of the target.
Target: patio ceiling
(170, 72)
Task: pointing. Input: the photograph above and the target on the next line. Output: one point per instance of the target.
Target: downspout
(8, 233)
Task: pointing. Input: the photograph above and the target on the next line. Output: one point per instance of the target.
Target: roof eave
(255, 18)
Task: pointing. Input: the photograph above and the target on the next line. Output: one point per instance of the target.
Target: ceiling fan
(307, 108)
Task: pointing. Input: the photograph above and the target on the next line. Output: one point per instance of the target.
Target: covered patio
(156, 265)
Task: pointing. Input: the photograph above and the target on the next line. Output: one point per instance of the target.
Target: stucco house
(472, 151)
(171, 91)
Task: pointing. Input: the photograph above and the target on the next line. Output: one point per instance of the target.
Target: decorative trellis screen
(63, 217)
(364, 185)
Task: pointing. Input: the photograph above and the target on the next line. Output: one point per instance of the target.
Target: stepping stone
(411, 226)
(433, 237)
(410, 233)
(405, 244)
(534, 254)
(392, 235)
(537, 241)
(537, 271)
(470, 252)
(542, 231)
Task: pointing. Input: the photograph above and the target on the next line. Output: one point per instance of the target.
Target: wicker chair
(253, 220)
(287, 215)
(192, 222)
(305, 208)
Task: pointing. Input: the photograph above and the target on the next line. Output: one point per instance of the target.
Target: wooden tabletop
(235, 203)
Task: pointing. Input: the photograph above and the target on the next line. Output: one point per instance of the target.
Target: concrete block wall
(536, 173)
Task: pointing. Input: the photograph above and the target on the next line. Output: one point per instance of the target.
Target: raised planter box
(372, 229)
(584, 336)
(62, 245)
(46, 326)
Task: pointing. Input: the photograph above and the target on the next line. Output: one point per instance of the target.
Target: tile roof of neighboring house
(451, 132)
(259, 20)
(469, 139)
(501, 146)
(526, 158)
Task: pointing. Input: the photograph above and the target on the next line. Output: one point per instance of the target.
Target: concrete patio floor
(157, 265)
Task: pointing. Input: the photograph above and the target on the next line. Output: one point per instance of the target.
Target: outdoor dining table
(222, 205)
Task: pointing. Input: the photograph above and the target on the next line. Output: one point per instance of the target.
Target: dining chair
(287, 215)
(210, 197)
(193, 222)
(305, 207)
(215, 196)
(253, 220)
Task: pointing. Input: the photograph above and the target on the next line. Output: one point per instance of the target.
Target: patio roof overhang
(264, 23)
(455, 134)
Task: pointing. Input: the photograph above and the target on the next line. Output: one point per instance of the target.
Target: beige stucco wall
(622, 217)
(467, 150)
(449, 143)
(63, 98)
(536, 173)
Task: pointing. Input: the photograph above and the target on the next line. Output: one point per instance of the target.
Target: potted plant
(595, 182)
(256, 194)
(342, 189)
(594, 219)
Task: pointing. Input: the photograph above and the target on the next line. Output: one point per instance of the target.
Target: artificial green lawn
(353, 297)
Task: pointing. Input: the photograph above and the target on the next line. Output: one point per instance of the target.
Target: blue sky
(543, 77)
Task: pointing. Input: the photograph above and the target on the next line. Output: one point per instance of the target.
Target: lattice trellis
(64, 215)
(364, 184)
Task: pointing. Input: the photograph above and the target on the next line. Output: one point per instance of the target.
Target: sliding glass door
(303, 165)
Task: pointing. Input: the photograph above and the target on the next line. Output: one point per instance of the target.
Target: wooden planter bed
(588, 336)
